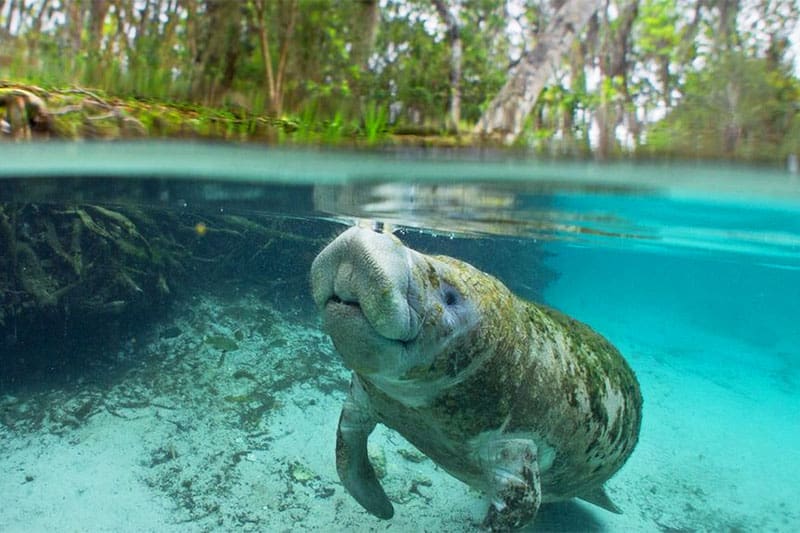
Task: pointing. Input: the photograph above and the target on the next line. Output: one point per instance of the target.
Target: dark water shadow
(565, 517)
(64, 353)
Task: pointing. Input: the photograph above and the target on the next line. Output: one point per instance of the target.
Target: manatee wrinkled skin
(512, 398)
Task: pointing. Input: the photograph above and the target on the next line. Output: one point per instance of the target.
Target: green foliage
(739, 107)
(309, 128)
(334, 129)
(306, 124)
(684, 81)
(414, 68)
(375, 122)
(658, 34)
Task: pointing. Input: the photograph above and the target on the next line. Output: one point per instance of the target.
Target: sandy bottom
(225, 416)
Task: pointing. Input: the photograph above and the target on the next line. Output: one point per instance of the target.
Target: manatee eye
(450, 296)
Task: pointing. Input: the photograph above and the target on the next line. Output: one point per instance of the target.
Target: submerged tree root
(71, 273)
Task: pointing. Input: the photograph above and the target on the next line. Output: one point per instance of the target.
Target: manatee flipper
(513, 472)
(600, 498)
(352, 462)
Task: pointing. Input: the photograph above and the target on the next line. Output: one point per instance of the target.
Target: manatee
(513, 398)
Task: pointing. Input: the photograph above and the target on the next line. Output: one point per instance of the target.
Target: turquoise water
(692, 271)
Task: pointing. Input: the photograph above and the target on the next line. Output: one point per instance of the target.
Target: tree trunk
(506, 113)
(274, 79)
(615, 49)
(192, 39)
(97, 16)
(219, 50)
(122, 49)
(449, 15)
(74, 30)
(367, 15)
(263, 41)
(726, 36)
(34, 34)
(277, 99)
(11, 7)
(364, 23)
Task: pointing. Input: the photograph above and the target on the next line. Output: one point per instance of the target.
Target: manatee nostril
(337, 300)
(451, 296)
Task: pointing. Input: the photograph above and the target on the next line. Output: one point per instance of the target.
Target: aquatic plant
(375, 119)
(306, 124)
(334, 129)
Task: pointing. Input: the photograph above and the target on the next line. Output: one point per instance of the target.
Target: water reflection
(473, 210)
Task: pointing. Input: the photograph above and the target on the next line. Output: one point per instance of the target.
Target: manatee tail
(600, 498)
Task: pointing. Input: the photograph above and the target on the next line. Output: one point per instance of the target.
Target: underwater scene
(180, 323)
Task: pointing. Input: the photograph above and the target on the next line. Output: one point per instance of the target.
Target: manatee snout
(362, 280)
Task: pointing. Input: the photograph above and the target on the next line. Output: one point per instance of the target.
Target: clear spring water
(692, 271)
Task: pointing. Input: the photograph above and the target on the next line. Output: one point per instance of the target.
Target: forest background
(574, 78)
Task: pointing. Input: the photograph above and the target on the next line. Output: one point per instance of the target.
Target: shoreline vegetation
(76, 113)
(688, 79)
(36, 113)
(32, 113)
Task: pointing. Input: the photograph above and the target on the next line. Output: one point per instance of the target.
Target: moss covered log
(30, 112)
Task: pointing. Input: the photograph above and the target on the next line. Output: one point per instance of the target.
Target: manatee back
(582, 398)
